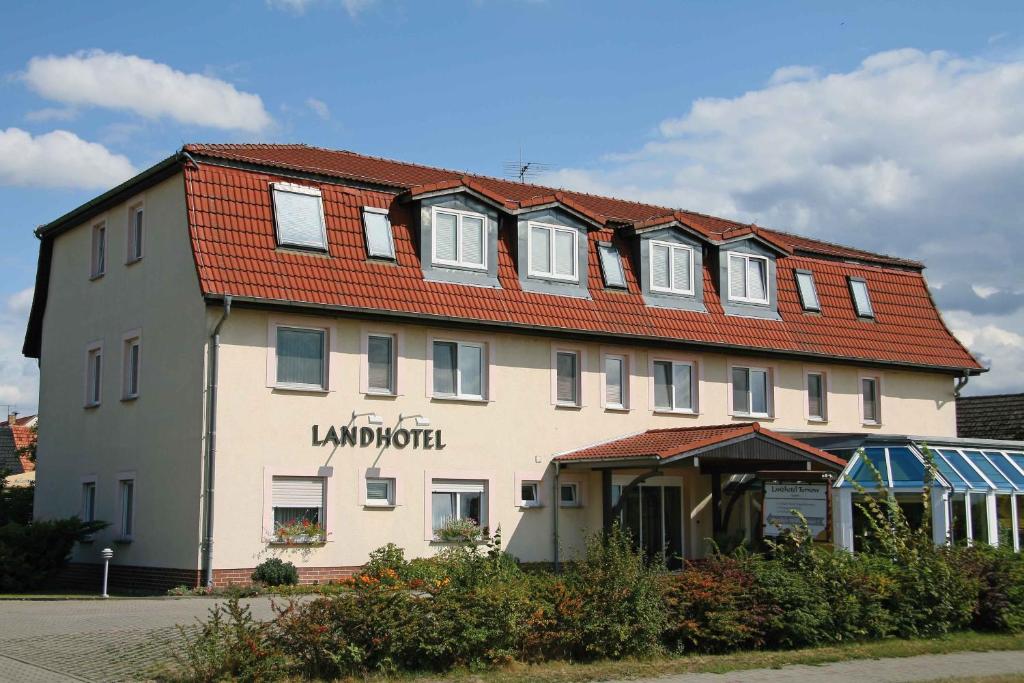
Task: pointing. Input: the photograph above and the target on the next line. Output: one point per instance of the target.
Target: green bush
(15, 502)
(230, 645)
(32, 554)
(275, 572)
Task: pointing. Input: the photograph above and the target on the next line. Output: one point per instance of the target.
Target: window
(132, 366)
(751, 392)
(126, 497)
(380, 492)
(529, 494)
(377, 226)
(458, 499)
(567, 378)
(816, 397)
(861, 298)
(93, 375)
(380, 363)
(99, 250)
(88, 511)
(299, 216)
(460, 239)
(301, 358)
(748, 278)
(135, 223)
(611, 266)
(569, 495)
(616, 382)
(808, 292)
(674, 386)
(298, 504)
(553, 252)
(871, 412)
(459, 370)
(671, 268)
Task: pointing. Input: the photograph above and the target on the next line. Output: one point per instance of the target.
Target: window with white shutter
(748, 278)
(297, 501)
(674, 386)
(616, 381)
(817, 398)
(553, 252)
(377, 227)
(567, 374)
(671, 268)
(299, 216)
(458, 499)
(380, 492)
(459, 239)
(611, 266)
(301, 358)
(861, 298)
(807, 290)
(380, 363)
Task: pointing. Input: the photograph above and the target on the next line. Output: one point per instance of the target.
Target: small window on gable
(379, 240)
(748, 278)
(299, 216)
(808, 292)
(861, 298)
(529, 494)
(671, 268)
(611, 266)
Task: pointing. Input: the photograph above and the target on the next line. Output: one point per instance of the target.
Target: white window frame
(94, 383)
(330, 496)
(551, 230)
(486, 504)
(299, 324)
(695, 381)
(672, 248)
(626, 360)
(535, 503)
(88, 480)
(364, 365)
(534, 478)
(98, 265)
(460, 216)
(303, 190)
(816, 307)
(128, 340)
(824, 394)
(388, 502)
(486, 350)
(878, 399)
(614, 253)
(770, 391)
(123, 535)
(366, 234)
(135, 243)
(574, 486)
(746, 258)
(581, 359)
(853, 281)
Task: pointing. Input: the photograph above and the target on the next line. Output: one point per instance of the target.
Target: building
(280, 350)
(17, 434)
(998, 416)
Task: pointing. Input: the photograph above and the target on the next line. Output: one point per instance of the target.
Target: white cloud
(59, 159)
(148, 88)
(353, 7)
(19, 386)
(51, 114)
(19, 303)
(912, 153)
(319, 107)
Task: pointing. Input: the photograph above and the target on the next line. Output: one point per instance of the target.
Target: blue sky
(895, 127)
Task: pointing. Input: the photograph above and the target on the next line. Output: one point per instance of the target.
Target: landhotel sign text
(381, 437)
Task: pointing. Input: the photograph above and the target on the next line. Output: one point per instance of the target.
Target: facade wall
(512, 436)
(157, 436)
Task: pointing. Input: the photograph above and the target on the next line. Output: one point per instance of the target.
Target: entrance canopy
(736, 447)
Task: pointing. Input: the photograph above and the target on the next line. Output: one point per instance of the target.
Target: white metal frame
(623, 359)
(672, 248)
(122, 517)
(132, 338)
(660, 482)
(797, 274)
(135, 243)
(769, 372)
(484, 369)
(458, 262)
(575, 488)
(694, 408)
(614, 254)
(556, 351)
(551, 230)
(325, 385)
(523, 502)
(94, 382)
(391, 256)
(820, 419)
(746, 258)
(309, 192)
(365, 362)
(879, 417)
(388, 502)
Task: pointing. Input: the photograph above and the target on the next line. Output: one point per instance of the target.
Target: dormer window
(553, 252)
(861, 298)
(299, 216)
(611, 266)
(748, 278)
(459, 239)
(377, 227)
(808, 292)
(671, 268)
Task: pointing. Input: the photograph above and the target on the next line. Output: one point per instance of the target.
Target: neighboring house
(252, 344)
(17, 434)
(999, 416)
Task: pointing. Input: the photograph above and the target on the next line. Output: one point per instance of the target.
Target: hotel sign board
(380, 437)
(782, 499)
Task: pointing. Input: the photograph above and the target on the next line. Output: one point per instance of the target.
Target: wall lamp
(372, 418)
(421, 421)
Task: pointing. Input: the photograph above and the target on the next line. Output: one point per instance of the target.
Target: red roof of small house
(663, 444)
(14, 438)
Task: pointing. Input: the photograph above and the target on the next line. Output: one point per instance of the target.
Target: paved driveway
(95, 640)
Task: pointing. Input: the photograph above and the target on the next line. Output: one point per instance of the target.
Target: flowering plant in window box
(301, 531)
(465, 530)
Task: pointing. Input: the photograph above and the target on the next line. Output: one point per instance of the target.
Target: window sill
(669, 411)
(305, 251)
(96, 276)
(459, 266)
(91, 406)
(380, 394)
(818, 420)
(568, 406)
(305, 542)
(552, 278)
(378, 506)
(671, 292)
(617, 409)
(132, 262)
(748, 302)
(532, 506)
(460, 399)
(872, 425)
(299, 389)
(752, 416)
(484, 540)
(124, 540)
(129, 399)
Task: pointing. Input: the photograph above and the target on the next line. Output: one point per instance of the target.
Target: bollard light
(107, 555)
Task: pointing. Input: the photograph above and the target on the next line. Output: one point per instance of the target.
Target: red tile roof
(668, 443)
(233, 238)
(13, 438)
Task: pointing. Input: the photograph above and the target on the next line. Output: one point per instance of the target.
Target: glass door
(652, 513)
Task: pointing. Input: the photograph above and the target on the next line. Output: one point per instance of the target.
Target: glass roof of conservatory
(958, 469)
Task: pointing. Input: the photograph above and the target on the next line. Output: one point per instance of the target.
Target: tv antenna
(522, 170)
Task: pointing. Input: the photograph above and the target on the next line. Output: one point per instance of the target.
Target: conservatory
(976, 494)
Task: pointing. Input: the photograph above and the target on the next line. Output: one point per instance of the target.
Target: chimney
(12, 418)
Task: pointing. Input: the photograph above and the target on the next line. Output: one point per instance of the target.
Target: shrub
(230, 645)
(32, 554)
(15, 502)
(275, 572)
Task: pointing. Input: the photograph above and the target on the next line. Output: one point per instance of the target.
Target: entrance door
(653, 515)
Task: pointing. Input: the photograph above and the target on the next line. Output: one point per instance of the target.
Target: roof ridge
(984, 396)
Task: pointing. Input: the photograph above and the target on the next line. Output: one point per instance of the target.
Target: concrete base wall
(89, 577)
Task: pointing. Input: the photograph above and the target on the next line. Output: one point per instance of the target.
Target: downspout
(960, 384)
(554, 512)
(211, 444)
